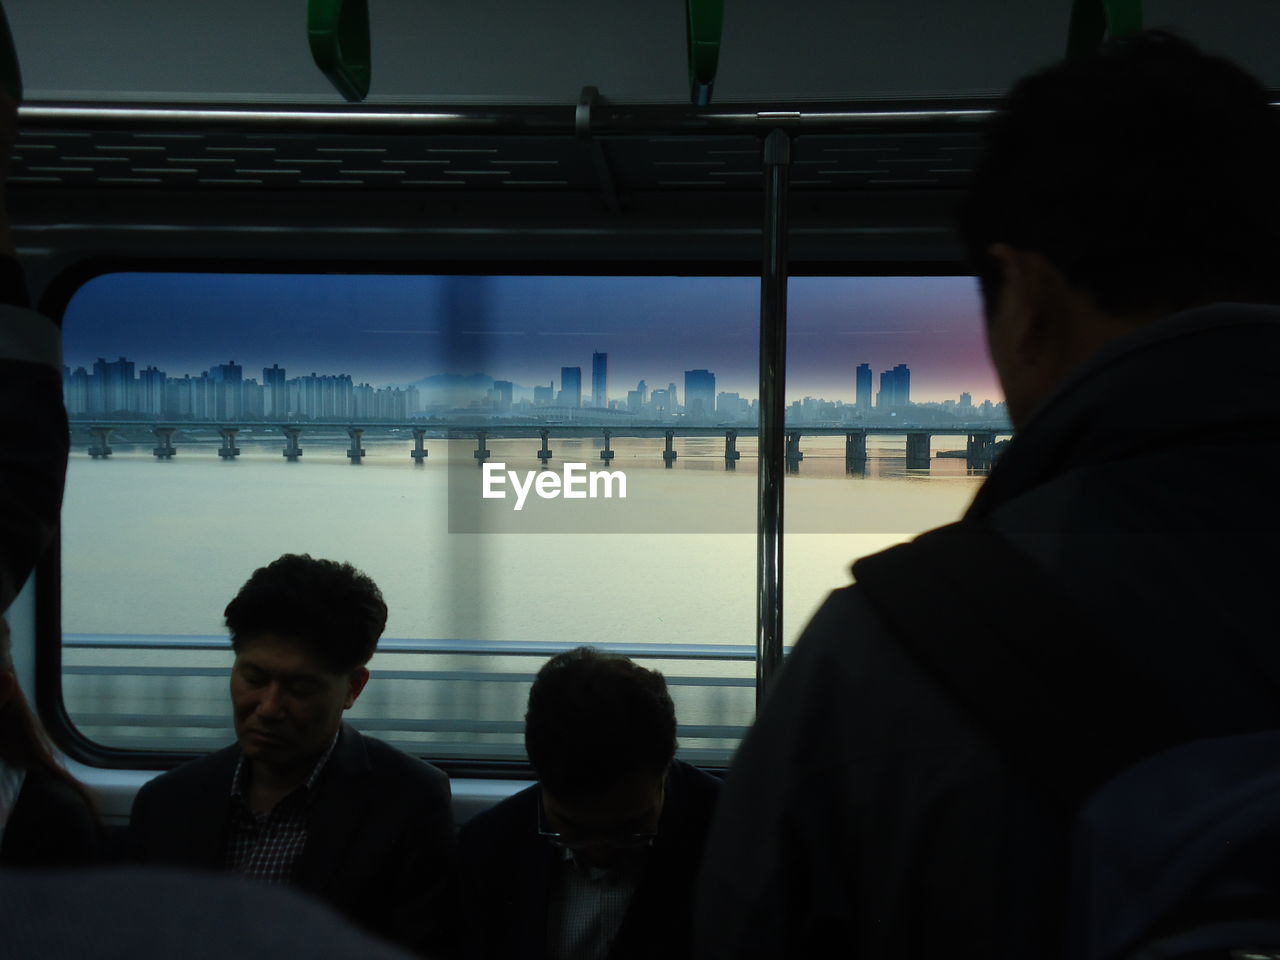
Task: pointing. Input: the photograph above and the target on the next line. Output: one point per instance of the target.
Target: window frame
(61, 290)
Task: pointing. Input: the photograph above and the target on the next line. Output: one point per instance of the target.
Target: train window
(894, 417)
(523, 463)
(220, 420)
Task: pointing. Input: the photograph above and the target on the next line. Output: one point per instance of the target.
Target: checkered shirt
(265, 846)
(588, 905)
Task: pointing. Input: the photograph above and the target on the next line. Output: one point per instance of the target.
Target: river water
(158, 548)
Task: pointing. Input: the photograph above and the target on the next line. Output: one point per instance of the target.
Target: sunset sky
(398, 329)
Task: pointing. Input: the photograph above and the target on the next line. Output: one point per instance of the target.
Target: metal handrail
(483, 648)
(860, 116)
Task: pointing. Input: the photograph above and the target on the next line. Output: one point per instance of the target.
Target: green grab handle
(1093, 21)
(338, 31)
(10, 74)
(705, 22)
(1124, 17)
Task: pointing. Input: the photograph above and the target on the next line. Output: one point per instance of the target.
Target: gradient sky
(398, 329)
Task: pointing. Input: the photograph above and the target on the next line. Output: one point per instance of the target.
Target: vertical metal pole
(773, 368)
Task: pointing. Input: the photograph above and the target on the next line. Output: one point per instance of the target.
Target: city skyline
(117, 386)
(389, 330)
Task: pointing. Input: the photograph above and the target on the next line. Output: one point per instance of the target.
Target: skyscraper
(699, 393)
(275, 392)
(570, 387)
(113, 386)
(895, 388)
(600, 380)
(150, 392)
(901, 386)
(862, 386)
(502, 391)
(225, 379)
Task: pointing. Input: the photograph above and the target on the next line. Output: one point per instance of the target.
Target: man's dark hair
(596, 718)
(1147, 174)
(336, 612)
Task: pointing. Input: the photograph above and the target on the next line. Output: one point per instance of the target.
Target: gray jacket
(867, 804)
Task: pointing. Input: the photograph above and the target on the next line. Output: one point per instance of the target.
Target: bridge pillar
(855, 449)
(419, 452)
(794, 456)
(607, 453)
(980, 450)
(544, 454)
(669, 455)
(292, 451)
(357, 452)
(481, 453)
(165, 436)
(918, 451)
(228, 450)
(731, 454)
(101, 446)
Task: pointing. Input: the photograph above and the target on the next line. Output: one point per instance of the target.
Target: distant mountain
(458, 390)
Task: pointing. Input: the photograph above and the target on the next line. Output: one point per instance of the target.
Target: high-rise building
(862, 386)
(502, 390)
(78, 391)
(363, 398)
(895, 388)
(901, 385)
(730, 406)
(600, 380)
(150, 392)
(570, 387)
(225, 379)
(275, 392)
(637, 398)
(699, 393)
(253, 399)
(113, 386)
(543, 396)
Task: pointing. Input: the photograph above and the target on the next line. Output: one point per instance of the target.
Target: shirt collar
(240, 779)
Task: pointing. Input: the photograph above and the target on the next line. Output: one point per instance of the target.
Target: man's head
(601, 733)
(302, 630)
(1115, 190)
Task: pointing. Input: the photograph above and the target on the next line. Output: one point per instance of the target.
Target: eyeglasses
(619, 840)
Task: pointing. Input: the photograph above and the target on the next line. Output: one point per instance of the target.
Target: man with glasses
(598, 859)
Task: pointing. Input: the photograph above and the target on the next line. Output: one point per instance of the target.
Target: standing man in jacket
(908, 787)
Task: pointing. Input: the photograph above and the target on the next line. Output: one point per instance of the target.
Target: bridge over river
(979, 450)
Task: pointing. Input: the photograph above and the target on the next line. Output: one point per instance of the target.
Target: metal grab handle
(1093, 21)
(705, 21)
(338, 31)
(10, 74)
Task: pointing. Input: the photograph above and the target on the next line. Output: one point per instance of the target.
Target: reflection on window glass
(523, 464)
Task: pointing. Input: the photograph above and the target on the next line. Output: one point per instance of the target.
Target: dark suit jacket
(51, 826)
(507, 870)
(380, 834)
